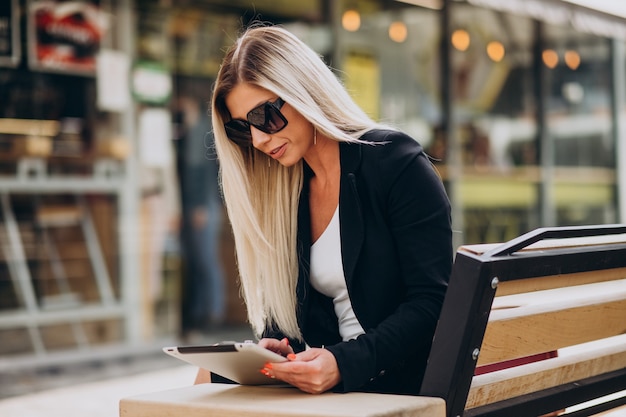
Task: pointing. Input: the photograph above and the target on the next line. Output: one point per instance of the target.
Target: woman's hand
(314, 370)
(277, 346)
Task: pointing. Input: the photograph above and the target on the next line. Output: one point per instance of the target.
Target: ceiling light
(460, 40)
(351, 20)
(398, 31)
(572, 59)
(495, 51)
(550, 58)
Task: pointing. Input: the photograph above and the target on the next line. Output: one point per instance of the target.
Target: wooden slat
(527, 324)
(594, 358)
(558, 281)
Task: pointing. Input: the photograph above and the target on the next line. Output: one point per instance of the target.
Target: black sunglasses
(265, 117)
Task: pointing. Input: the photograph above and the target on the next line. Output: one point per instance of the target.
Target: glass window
(579, 126)
(495, 125)
(390, 64)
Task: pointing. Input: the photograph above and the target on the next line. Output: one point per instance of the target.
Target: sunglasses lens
(267, 118)
(275, 120)
(239, 132)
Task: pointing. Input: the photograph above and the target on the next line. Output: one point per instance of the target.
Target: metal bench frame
(466, 309)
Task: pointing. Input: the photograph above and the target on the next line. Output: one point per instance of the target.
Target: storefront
(519, 102)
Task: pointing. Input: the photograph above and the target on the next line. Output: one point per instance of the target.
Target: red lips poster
(65, 36)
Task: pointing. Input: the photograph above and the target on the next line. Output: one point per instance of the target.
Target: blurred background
(113, 238)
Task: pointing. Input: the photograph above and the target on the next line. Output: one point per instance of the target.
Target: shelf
(60, 184)
(10, 319)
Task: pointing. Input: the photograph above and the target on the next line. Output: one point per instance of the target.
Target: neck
(323, 158)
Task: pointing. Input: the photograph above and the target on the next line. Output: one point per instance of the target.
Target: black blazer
(397, 256)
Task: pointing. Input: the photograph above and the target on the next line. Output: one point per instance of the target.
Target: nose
(259, 138)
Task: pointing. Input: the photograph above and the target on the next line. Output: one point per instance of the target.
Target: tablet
(239, 362)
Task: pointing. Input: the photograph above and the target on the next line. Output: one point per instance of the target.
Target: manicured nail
(268, 366)
(291, 356)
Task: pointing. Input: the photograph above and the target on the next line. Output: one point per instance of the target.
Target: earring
(314, 136)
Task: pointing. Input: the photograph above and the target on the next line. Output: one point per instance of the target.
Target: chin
(287, 163)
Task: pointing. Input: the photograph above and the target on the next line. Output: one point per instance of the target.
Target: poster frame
(14, 58)
(33, 61)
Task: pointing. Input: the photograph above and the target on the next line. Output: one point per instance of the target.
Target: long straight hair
(261, 196)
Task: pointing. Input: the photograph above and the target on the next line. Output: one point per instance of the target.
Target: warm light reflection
(351, 20)
(572, 59)
(550, 58)
(398, 32)
(461, 39)
(495, 50)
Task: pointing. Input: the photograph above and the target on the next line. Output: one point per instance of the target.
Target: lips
(278, 152)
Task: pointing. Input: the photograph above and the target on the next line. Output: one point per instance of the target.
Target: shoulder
(381, 142)
(380, 145)
(387, 136)
(390, 149)
(385, 157)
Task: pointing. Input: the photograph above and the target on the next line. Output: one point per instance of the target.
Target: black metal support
(466, 309)
(459, 333)
(554, 233)
(558, 398)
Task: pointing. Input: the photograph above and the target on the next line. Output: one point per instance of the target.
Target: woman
(342, 227)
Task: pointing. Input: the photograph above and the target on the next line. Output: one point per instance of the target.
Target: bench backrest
(551, 290)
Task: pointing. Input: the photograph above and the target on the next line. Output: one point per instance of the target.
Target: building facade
(520, 103)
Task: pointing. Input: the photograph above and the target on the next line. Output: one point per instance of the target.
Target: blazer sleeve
(417, 214)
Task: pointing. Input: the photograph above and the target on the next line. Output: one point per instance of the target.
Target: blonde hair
(262, 196)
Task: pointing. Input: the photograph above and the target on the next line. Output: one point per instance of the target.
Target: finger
(279, 371)
(281, 347)
(266, 370)
(284, 348)
(270, 344)
(267, 343)
(314, 371)
(300, 375)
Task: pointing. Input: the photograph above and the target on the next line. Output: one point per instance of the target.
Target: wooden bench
(557, 293)
(551, 290)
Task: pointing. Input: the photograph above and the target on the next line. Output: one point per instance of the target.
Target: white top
(327, 277)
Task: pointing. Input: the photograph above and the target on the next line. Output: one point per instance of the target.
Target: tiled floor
(88, 389)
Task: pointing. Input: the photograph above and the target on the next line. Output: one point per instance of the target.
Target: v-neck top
(327, 277)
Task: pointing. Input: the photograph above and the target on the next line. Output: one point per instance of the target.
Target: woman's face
(289, 145)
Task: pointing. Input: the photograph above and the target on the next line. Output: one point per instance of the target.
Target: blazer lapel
(350, 214)
(304, 250)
